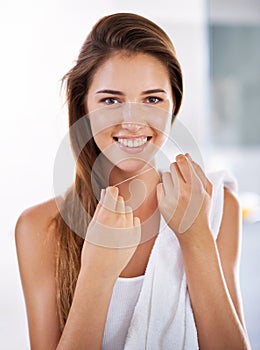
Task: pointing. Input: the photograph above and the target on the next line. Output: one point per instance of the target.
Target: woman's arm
(85, 325)
(36, 257)
(210, 266)
(212, 276)
(100, 267)
(229, 248)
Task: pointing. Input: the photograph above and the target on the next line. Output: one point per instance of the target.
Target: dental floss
(132, 177)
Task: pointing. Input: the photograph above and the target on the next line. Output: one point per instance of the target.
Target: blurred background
(218, 45)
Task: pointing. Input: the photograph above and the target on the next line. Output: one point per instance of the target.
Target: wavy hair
(125, 32)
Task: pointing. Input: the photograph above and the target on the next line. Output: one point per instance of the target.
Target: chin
(132, 165)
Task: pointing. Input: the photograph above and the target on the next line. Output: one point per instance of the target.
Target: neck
(137, 188)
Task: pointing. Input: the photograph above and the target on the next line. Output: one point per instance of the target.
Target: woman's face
(130, 105)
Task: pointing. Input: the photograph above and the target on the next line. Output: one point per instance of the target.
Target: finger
(137, 221)
(102, 195)
(175, 169)
(200, 173)
(110, 198)
(137, 230)
(160, 192)
(175, 176)
(129, 214)
(197, 168)
(176, 180)
(120, 205)
(167, 181)
(184, 167)
(205, 181)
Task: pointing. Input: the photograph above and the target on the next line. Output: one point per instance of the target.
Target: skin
(211, 267)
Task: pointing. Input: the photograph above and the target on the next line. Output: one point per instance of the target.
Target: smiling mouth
(132, 142)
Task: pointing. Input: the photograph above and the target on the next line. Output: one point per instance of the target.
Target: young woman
(127, 285)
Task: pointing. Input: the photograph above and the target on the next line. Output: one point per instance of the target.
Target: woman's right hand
(112, 236)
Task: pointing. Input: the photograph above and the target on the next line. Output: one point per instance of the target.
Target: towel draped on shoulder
(163, 317)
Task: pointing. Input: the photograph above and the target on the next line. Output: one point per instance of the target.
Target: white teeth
(133, 143)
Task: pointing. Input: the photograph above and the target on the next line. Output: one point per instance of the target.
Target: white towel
(163, 317)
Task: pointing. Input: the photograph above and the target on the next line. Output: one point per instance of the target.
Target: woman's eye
(153, 99)
(109, 100)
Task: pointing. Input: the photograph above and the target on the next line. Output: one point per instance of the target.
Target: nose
(132, 117)
(133, 127)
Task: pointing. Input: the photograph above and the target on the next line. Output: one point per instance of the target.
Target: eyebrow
(153, 91)
(120, 93)
(112, 92)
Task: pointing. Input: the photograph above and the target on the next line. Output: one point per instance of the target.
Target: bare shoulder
(231, 209)
(35, 235)
(36, 251)
(231, 200)
(36, 217)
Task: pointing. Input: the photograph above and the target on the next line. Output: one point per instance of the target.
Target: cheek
(161, 123)
(103, 139)
(159, 140)
(99, 129)
(100, 140)
(158, 115)
(103, 120)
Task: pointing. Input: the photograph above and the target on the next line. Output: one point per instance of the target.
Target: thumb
(159, 192)
(137, 221)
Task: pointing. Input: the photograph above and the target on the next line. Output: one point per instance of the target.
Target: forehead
(135, 71)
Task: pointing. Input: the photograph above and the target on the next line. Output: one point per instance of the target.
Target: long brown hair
(132, 34)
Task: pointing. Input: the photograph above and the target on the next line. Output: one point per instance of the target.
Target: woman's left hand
(184, 197)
